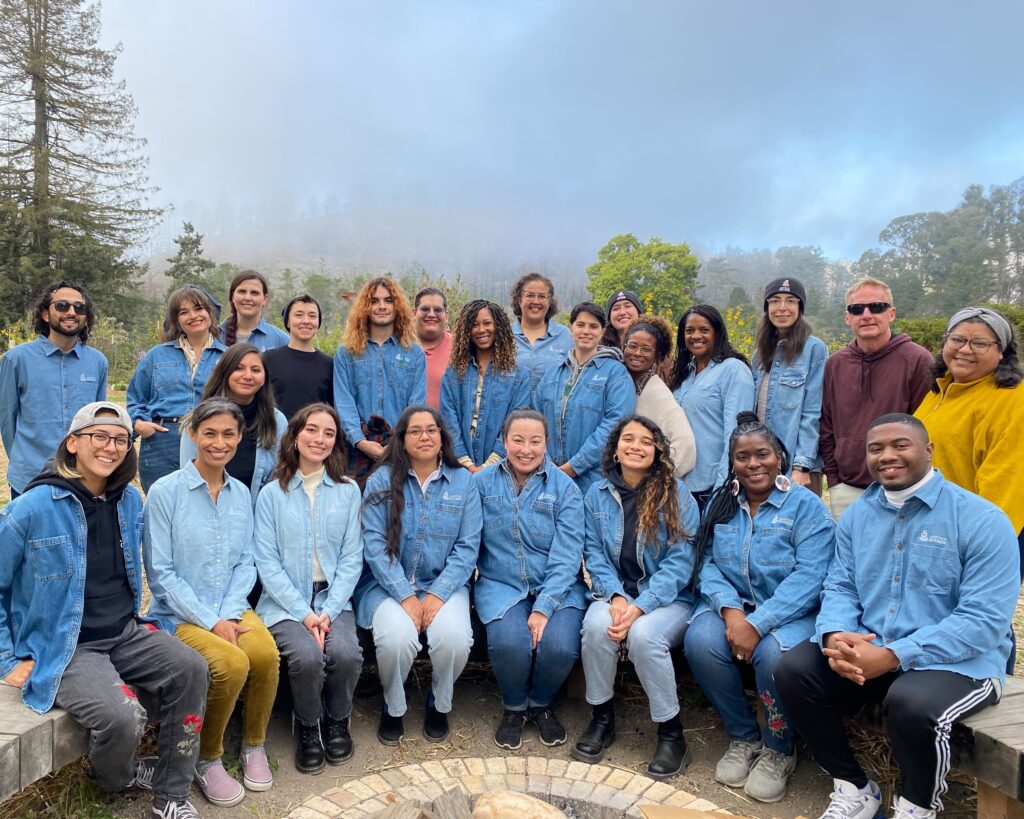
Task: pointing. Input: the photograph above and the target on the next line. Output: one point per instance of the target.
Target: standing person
(70, 630)
(430, 309)
(789, 370)
(44, 382)
(378, 371)
(308, 581)
(421, 537)
(529, 591)
(876, 373)
(622, 309)
(712, 383)
(248, 294)
(638, 548)
(169, 379)
(541, 341)
(483, 384)
(299, 373)
(583, 397)
(198, 551)
(927, 635)
(647, 346)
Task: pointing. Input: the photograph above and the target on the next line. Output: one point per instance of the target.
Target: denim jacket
(284, 557)
(265, 336)
(163, 386)
(793, 408)
(439, 545)
(937, 580)
(667, 568)
(532, 542)
(773, 569)
(502, 393)
(711, 400)
(43, 538)
(266, 459)
(41, 389)
(383, 381)
(578, 426)
(551, 348)
(198, 554)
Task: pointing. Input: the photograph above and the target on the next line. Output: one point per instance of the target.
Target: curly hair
(721, 351)
(42, 326)
(520, 286)
(288, 457)
(463, 348)
(658, 327)
(231, 325)
(1008, 372)
(656, 494)
(357, 327)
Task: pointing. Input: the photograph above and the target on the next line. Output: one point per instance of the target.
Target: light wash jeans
(449, 639)
(648, 643)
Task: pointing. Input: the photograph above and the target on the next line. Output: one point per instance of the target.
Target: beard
(57, 327)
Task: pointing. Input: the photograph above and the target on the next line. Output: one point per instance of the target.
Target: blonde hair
(357, 327)
(869, 282)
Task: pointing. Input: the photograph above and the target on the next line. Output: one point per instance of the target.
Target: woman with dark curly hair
(482, 384)
(540, 340)
(638, 548)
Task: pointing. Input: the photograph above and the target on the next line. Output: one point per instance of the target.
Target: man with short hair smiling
(299, 373)
(916, 612)
(430, 321)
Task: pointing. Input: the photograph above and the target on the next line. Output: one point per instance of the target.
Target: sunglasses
(63, 306)
(875, 307)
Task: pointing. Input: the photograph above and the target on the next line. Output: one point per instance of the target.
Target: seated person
(928, 637)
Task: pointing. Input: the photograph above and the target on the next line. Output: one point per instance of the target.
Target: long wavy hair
(769, 341)
(231, 325)
(42, 326)
(357, 326)
(1008, 372)
(721, 351)
(65, 463)
(288, 458)
(463, 348)
(197, 298)
(397, 459)
(265, 425)
(656, 494)
(520, 287)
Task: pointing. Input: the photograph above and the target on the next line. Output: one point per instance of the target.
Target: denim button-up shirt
(264, 336)
(772, 567)
(41, 389)
(502, 393)
(383, 381)
(793, 408)
(550, 348)
(578, 426)
(266, 459)
(532, 542)
(937, 580)
(711, 400)
(667, 568)
(285, 535)
(439, 545)
(199, 560)
(163, 385)
(43, 538)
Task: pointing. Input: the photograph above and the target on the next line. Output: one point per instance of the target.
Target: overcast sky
(750, 124)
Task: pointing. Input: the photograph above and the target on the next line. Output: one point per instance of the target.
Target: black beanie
(791, 287)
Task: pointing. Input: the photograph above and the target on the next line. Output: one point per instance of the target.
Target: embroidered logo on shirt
(783, 520)
(547, 496)
(449, 497)
(926, 538)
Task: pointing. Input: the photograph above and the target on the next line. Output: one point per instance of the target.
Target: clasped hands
(854, 657)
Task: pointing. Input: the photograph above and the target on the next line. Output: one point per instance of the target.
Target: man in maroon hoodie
(876, 373)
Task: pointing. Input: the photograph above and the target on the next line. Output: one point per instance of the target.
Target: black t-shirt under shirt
(244, 463)
(299, 378)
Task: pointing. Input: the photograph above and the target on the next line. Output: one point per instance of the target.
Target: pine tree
(189, 265)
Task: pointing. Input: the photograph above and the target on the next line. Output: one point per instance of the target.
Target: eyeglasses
(419, 432)
(428, 310)
(63, 306)
(978, 345)
(537, 296)
(875, 307)
(101, 439)
(633, 347)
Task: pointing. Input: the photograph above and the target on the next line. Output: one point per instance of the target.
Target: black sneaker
(552, 732)
(435, 724)
(145, 767)
(391, 729)
(510, 730)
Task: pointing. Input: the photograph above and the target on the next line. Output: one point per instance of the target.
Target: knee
(512, 645)
(644, 640)
(796, 666)
(125, 723)
(264, 657)
(396, 640)
(191, 670)
(230, 668)
(563, 649)
(452, 642)
(905, 705)
(308, 659)
(596, 624)
(705, 641)
(345, 655)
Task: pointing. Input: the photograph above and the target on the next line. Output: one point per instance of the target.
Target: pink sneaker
(256, 775)
(218, 786)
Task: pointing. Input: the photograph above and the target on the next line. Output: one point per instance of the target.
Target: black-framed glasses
(978, 345)
(419, 432)
(875, 307)
(101, 439)
(62, 306)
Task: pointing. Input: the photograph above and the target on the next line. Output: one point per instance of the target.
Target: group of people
(425, 474)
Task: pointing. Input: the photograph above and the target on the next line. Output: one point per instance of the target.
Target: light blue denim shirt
(532, 542)
(41, 389)
(43, 538)
(266, 459)
(198, 554)
(711, 400)
(264, 336)
(578, 425)
(772, 567)
(793, 408)
(163, 385)
(286, 534)
(937, 580)
(667, 568)
(383, 381)
(551, 348)
(502, 393)
(439, 545)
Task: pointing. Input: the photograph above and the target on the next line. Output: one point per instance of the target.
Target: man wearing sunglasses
(877, 373)
(430, 321)
(44, 382)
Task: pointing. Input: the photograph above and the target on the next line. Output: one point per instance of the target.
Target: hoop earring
(734, 487)
(615, 457)
(782, 483)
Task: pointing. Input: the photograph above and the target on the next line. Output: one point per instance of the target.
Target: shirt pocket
(590, 396)
(492, 512)
(540, 519)
(791, 389)
(447, 519)
(51, 558)
(168, 374)
(84, 389)
(362, 371)
(400, 374)
(773, 548)
(725, 547)
(932, 569)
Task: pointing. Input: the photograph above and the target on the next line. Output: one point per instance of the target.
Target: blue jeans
(718, 673)
(159, 455)
(527, 677)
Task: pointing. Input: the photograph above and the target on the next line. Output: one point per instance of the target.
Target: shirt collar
(929, 494)
(49, 348)
(193, 480)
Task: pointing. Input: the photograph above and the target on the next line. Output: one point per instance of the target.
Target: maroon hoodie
(859, 387)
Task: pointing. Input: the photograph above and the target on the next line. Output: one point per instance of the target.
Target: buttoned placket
(524, 573)
(896, 588)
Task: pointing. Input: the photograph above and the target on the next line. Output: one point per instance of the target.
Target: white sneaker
(902, 809)
(735, 764)
(769, 775)
(849, 803)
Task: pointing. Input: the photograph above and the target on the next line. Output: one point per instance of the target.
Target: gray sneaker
(733, 767)
(768, 776)
(848, 803)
